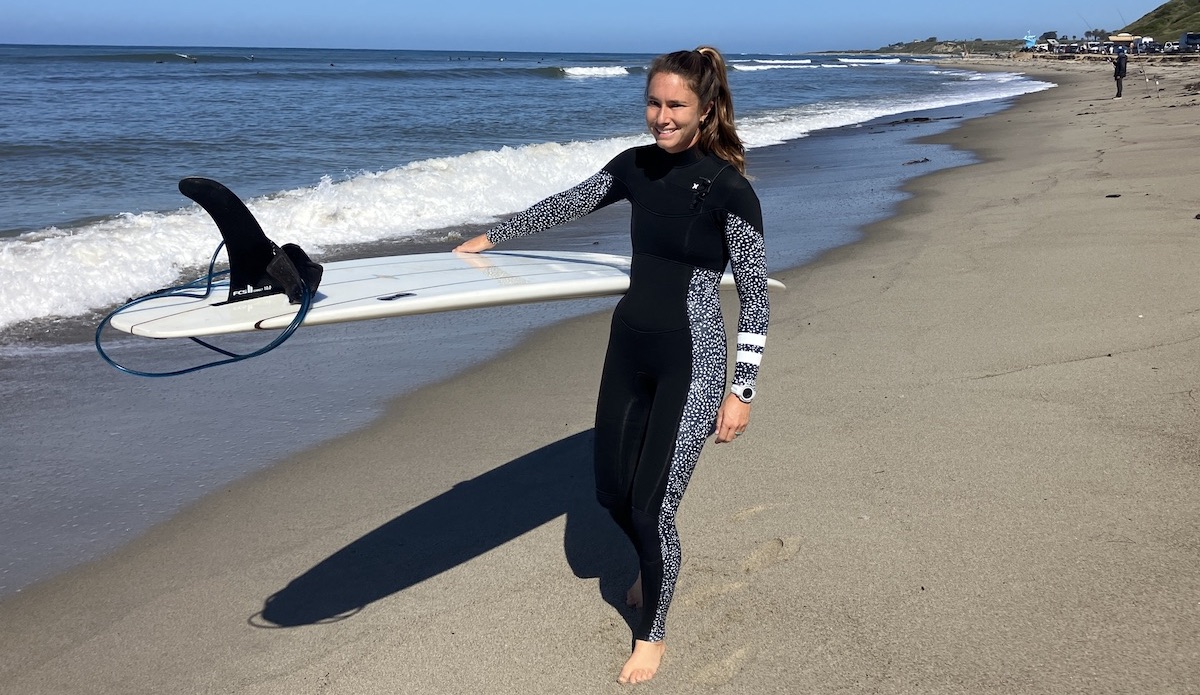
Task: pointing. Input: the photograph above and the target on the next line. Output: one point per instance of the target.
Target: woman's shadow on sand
(470, 519)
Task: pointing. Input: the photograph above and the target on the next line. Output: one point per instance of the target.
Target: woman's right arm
(591, 195)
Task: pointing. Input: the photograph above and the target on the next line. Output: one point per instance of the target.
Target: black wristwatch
(744, 394)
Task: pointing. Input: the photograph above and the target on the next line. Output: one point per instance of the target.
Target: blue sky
(770, 26)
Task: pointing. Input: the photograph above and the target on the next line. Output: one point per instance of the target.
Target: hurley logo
(701, 189)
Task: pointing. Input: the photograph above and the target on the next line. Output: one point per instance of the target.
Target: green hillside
(934, 46)
(1171, 19)
(1165, 23)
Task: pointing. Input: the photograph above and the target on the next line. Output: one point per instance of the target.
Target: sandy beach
(972, 469)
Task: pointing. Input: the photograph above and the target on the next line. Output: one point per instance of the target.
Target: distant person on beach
(1119, 65)
(663, 387)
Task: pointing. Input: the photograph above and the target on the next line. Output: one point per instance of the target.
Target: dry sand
(973, 469)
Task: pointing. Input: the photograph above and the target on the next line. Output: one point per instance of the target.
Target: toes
(636, 676)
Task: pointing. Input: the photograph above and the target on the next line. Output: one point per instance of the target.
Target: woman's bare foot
(643, 662)
(633, 597)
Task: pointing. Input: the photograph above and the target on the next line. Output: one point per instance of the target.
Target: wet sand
(972, 468)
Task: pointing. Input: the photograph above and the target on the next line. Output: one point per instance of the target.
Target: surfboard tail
(257, 267)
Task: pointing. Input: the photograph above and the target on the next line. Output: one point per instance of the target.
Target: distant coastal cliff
(1166, 23)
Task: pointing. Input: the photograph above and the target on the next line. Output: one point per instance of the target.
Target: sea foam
(604, 71)
(759, 64)
(870, 61)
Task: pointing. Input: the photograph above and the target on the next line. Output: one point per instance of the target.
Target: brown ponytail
(705, 73)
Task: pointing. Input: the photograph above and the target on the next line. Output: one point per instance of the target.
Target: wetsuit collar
(679, 159)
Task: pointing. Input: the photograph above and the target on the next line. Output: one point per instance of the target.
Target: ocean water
(348, 153)
(338, 148)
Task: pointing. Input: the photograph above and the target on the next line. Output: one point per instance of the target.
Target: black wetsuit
(664, 373)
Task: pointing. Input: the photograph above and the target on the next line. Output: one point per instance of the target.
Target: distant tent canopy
(1124, 37)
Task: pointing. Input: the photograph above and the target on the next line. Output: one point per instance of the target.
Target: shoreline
(964, 476)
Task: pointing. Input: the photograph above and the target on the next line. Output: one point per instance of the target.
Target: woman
(663, 387)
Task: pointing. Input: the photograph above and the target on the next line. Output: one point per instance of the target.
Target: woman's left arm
(747, 256)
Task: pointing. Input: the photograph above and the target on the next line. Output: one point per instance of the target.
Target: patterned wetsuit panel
(560, 208)
(748, 257)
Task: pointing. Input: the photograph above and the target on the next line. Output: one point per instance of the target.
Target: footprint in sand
(723, 671)
(770, 553)
(754, 511)
(704, 596)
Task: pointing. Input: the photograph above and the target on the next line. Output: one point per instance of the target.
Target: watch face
(747, 393)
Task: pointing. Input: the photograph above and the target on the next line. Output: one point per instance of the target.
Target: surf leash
(188, 289)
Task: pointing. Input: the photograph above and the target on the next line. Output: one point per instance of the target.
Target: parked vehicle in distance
(1171, 47)
(1189, 41)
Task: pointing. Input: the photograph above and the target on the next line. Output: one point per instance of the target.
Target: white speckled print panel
(559, 208)
(699, 416)
(747, 255)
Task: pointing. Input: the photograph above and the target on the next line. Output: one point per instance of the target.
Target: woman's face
(673, 112)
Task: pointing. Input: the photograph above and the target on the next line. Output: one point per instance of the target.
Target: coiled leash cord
(187, 290)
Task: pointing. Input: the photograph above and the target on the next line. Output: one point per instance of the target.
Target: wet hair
(704, 72)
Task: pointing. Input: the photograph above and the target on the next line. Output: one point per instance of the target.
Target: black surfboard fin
(257, 267)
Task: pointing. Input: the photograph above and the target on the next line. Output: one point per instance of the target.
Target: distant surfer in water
(663, 389)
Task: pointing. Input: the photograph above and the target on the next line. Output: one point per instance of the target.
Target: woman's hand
(479, 243)
(732, 418)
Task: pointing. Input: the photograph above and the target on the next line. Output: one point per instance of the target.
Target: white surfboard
(262, 275)
(373, 288)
